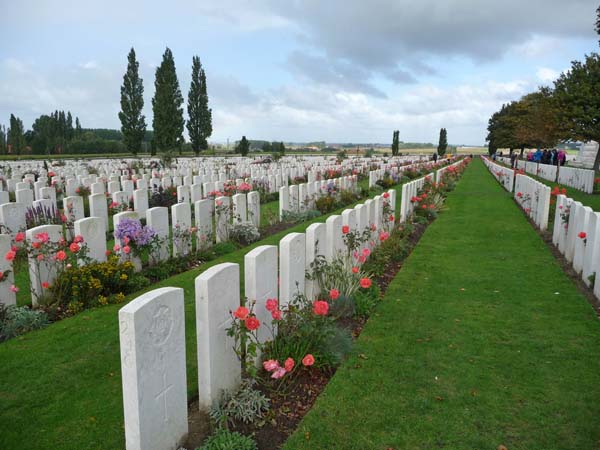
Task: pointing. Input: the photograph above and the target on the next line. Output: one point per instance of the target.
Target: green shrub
(84, 287)
(296, 217)
(247, 405)
(16, 320)
(244, 233)
(366, 300)
(224, 439)
(348, 197)
(325, 204)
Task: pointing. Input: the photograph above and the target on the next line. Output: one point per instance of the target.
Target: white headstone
(254, 208)
(140, 201)
(157, 218)
(7, 296)
(153, 370)
(204, 223)
(93, 232)
(12, 218)
(292, 265)
(223, 218)
(217, 294)
(260, 275)
(45, 270)
(316, 244)
(182, 222)
(239, 208)
(99, 207)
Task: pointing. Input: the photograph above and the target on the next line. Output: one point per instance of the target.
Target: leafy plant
(16, 320)
(244, 233)
(224, 439)
(247, 405)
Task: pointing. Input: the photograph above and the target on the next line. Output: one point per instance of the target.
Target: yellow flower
(124, 276)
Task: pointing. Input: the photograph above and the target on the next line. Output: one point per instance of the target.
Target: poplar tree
(133, 122)
(199, 124)
(396, 143)
(443, 143)
(16, 139)
(167, 122)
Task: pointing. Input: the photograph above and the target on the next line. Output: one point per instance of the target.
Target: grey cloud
(394, 37)
(339, 75)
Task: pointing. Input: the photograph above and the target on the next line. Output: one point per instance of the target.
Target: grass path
(482, 340)
(60, 387)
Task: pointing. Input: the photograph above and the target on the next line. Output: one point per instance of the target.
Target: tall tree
(243, 146)
(78, 130)
(443, 142)
(166, 106)
(2, 139)
(598, 20)
(396, 143)
(199, 124)
(133, 122)
(576, 93)
(70, 131)
(16, 140)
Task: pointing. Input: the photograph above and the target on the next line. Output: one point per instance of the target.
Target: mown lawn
(481, 341)
(60, 387)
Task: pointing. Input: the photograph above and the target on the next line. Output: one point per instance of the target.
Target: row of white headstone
(152, 327)
(577, 178)
(410, 190)
(440, 172)
(302, 197)
(582, 251)
(504, 175)
(534, 199)
(239, 208)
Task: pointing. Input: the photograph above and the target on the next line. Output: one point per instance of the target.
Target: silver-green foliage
(247, 405)
(16, 320)
(224, 439)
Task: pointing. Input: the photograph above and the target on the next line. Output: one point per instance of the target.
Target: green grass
(481, 340)
(61, 386)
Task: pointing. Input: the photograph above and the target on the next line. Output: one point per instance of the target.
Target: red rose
(74, 247)
(334, 294)
(365, 283)
(61, 255)
(582, 235)
(241, 313)
(10, 255)
(308, 360)
(345, 229)
(289, 364)
(271, 304)
(320, 308)
(355, 269)
(252, 323)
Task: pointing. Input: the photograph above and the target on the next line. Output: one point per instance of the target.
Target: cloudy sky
(296, 70)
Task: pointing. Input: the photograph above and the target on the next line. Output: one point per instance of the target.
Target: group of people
(554, 157)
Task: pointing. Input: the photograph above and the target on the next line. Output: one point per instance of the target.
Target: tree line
(567, 111)
(57, 133)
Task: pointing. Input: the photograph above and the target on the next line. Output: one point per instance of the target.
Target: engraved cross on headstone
(163, 394)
